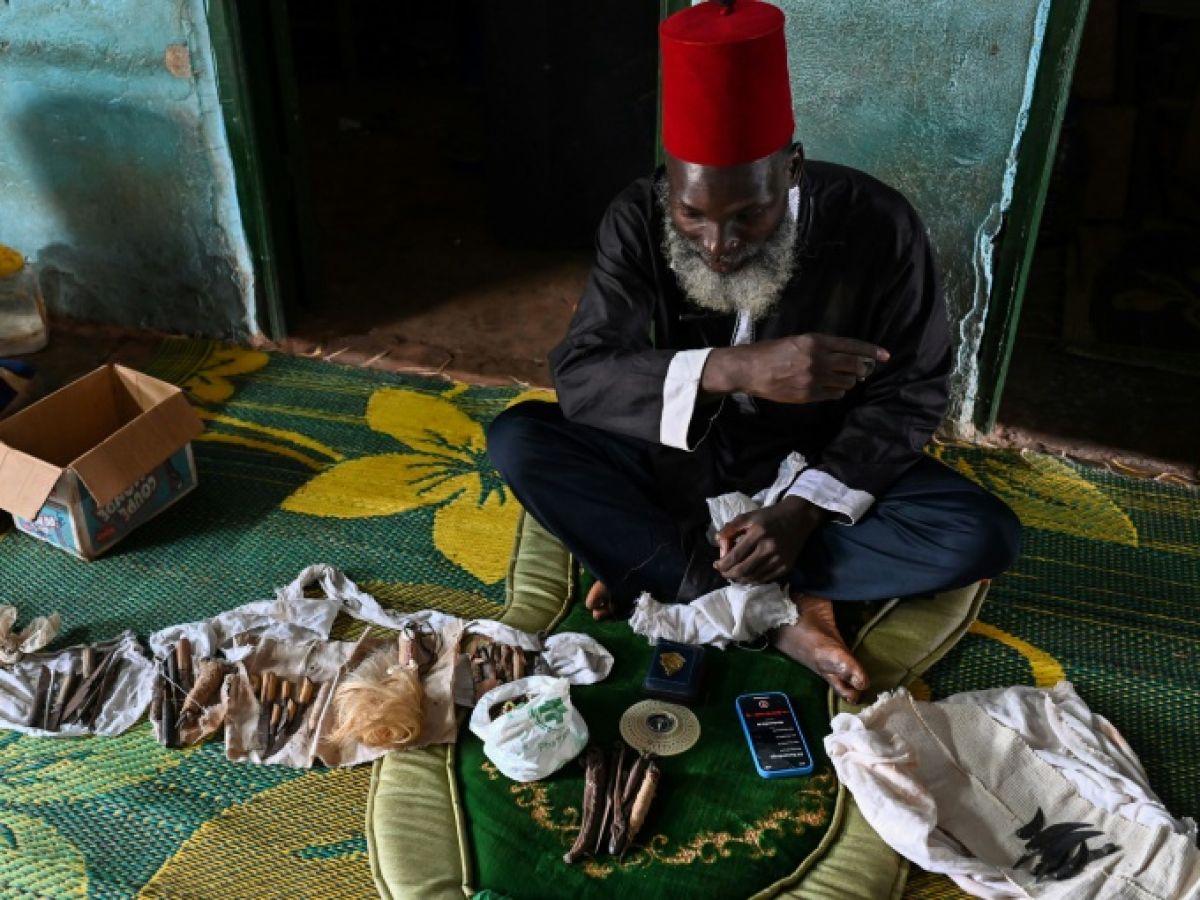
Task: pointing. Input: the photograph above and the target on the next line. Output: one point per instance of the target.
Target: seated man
(746, 304)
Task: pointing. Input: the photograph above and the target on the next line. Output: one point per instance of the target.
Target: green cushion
(415, 829)
(541, 579)
(412, 831)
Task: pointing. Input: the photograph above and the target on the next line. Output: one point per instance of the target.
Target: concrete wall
(115, 173)
(931, 96)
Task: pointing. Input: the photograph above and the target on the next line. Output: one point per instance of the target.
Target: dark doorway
(460, 156)
(1108, 353)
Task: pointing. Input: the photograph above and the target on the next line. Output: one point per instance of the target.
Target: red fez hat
(726, 95)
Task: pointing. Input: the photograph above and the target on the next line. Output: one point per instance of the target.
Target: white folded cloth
(949, 784)
(736, 612)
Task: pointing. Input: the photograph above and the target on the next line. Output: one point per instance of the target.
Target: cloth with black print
(984, 786)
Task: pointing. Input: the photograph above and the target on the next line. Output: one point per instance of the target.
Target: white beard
(754, 289)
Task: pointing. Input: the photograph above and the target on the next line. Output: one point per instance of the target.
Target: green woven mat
(385, 477)
(303, 462)
(716, 829)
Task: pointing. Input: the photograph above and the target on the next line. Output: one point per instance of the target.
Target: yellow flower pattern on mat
(54, 771)
(475, 517)
(542, 395)
(1047, 671)
(211, 384)
(37, 860)
(1048, 494)
(303, 838)
(271, 440)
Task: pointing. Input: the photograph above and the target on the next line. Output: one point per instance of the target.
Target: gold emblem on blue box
(671, 663)
(676, 672)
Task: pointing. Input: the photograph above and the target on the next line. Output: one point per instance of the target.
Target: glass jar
(22, 312)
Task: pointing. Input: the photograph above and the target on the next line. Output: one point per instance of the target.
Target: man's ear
(796, 164)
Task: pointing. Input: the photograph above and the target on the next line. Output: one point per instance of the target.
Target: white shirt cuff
(679, 396)
(823, 490)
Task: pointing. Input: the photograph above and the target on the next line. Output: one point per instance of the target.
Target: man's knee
(991, 542)
(517, 434)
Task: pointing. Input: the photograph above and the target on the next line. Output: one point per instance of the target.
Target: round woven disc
(663, 729)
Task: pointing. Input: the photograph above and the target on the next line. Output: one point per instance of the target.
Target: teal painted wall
(930, 96)
(115, 173)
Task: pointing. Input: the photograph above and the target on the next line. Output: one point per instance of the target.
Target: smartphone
(776, 742)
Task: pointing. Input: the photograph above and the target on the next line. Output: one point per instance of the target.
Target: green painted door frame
(257, 87)
(1016, 242)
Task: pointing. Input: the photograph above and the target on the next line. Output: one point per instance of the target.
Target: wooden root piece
(88, 689)
(40, 695)
(209, 675)
(619, 826)
(66, 687)
(306, 693)
(518, 664)
(44, 722)
(595, 786)
(267, 687)
(183, 663)
(493, 664)
(634, 781)
(170, 710)
(156, 701)
(287, 713)
(605, 820)
(92, 711)
(641, 803)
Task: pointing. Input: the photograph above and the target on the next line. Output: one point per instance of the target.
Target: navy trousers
(596, 492)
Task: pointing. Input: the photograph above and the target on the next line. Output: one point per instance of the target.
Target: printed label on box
(107, 524)
(53, 524)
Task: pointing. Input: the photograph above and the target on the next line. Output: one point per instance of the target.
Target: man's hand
(806, 368)
(762, 546)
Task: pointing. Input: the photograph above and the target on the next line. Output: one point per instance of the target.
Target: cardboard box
(85, 466)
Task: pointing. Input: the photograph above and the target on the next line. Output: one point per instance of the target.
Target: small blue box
(676, 672)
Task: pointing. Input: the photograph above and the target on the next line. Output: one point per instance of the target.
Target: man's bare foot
(599, 601)
(815, 641)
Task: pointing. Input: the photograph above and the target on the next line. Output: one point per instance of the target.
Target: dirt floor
(1136, 421)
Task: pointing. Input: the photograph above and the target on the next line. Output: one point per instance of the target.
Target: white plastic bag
(537, 738)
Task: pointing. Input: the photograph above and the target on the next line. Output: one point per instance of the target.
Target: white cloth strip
(823, 490)
(680, 388)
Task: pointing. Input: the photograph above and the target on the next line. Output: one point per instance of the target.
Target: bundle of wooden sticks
(616, 801)
(182, 690)
(494, 664)
(282, 706)
(76, 694)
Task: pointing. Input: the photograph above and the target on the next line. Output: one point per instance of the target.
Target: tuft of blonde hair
(381, 703)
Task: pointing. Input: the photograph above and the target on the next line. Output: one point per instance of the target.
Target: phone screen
(773, 732)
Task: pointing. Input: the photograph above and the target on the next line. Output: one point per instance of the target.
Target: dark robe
(865, 271)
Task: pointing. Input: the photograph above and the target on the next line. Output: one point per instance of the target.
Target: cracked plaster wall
(932, 98)
(115, 172)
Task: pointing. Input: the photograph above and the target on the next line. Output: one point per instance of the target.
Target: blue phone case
(774, 773)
